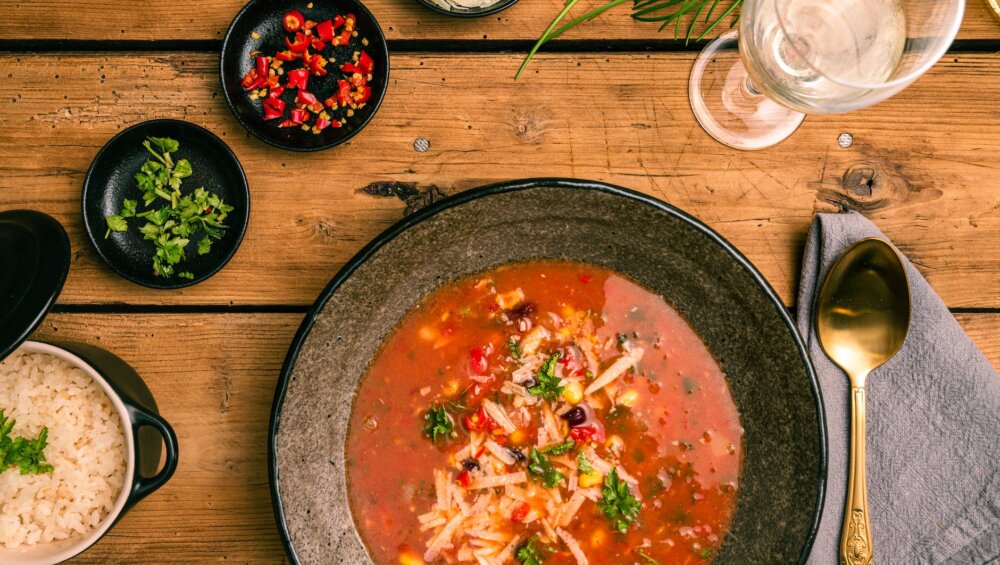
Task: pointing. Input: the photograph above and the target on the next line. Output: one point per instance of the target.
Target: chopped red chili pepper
(299, 116)
(357, 79)
(342, 39)
(365, 63)
(300, 44)
(322, 124)
(286, 56)
(325, 31)
(481, 451)
(520, 513)
(309, 25)
(338, 21)
(585, 279)
(587, 433)
(273, 108)
(276, 91)
(305, 98)
(478, 363)
(318, 45)
(464, 478)
(351, 68)
(343, 92)
(288, 124)
(362, 95)
(317, 65)
(299, 78)
(262, 65)
(292, 21)
(252, 81)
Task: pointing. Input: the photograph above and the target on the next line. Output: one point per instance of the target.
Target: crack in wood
(411, 194)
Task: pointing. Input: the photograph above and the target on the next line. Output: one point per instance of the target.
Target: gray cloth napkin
(933, 426)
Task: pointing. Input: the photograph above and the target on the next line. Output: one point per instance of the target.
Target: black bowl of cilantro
(165, 204)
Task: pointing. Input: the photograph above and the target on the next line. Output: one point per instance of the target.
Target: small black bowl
(111, 179)
(264, 17)
(469, 12)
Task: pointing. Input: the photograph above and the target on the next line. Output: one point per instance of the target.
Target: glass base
(728, 106)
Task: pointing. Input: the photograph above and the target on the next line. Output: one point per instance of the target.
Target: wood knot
(860, 181)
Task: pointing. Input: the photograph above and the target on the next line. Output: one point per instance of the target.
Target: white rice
(86, 447)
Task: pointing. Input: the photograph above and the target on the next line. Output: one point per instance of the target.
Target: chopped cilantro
(618, 503)
(530, 554)
(559, 448)
(439, 424)
(170, 223)
(548, 383)
(539, 467)
(25, 454)
(583, 464)
(515, 349)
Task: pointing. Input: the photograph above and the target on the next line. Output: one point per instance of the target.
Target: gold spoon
(862, 316)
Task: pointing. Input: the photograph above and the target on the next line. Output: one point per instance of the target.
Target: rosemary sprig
(645, 11)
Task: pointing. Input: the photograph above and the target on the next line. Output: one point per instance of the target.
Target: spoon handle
(855, 540)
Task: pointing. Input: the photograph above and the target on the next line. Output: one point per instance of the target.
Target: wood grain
(923, 165)
(213, 376)
(399, 19)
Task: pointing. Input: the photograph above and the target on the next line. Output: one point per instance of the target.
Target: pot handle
(144, 486)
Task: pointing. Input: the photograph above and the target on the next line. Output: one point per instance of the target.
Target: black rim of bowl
(375, 103)
(514, 186)
(240, 230)
(498, 7)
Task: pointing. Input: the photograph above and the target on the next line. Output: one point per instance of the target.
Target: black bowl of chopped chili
(304, 76)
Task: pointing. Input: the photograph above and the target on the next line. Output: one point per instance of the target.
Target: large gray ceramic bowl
(720, 293)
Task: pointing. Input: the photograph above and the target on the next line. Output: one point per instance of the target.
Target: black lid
(34, 262)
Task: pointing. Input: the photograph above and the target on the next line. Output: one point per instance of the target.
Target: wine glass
(813, 56)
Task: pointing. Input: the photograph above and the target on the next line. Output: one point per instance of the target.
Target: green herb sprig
(540, 468)
(548, 383)
(439, 424)
(559, 448)
(645, 11)
(530, 554)
(171, 226)
(25, 454)
(618, 503)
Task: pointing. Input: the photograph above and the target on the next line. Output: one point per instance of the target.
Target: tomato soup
(543, 412)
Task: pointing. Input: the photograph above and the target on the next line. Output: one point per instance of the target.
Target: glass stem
(750, 89)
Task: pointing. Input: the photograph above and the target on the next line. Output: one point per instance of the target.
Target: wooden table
(924, 166)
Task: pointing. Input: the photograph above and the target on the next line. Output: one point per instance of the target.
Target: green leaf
(204, 246)
(186, 275)
(128, 208)
(618, 503)
(583, 464)
(530, 554)
(540, 469)
(25, 454)
(548, 383)
(559, 448)
(515, 349)
(438, 424)
(182, 169)
(115, 223)
(166, 144)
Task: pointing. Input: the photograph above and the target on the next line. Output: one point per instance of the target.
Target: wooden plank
(922, 165)
(213, 376)
(400, 19)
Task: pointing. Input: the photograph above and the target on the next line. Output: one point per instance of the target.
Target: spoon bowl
(862, 317)
(863, 311)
